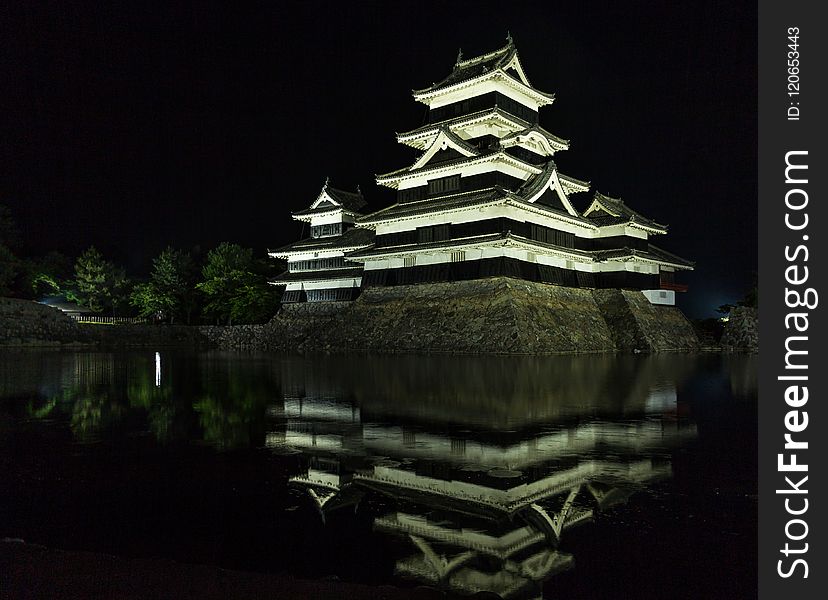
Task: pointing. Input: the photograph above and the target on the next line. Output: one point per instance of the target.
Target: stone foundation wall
(492, 316)
(664, 328)
(741, 333)
(27, 323)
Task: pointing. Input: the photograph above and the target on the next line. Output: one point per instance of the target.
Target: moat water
(567, 477)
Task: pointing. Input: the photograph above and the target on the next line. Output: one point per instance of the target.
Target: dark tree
(235, 285)
(48, 275)
(98, 284)
(170, 292)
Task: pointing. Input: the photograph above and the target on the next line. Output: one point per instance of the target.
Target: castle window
(433, 233)
(458, 256)
(409, 261)
(444, 185)
(336, 262)
(325, 230)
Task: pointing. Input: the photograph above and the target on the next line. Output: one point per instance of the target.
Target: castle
(484, 198)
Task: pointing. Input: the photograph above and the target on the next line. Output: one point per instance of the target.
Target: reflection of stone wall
(742, 373)
(147, 336)
(507, 392)
(742, 330)
(492, 316)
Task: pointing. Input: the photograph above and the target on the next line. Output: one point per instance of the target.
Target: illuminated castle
(485, 198)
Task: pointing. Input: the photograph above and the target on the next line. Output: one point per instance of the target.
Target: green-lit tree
(147, 300)
(99, 285)
(48, 275)
(235, 286)
(170, 292)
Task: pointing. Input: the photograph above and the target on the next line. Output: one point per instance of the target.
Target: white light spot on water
(157, 369)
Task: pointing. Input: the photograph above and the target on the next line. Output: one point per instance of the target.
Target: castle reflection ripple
(483, 466)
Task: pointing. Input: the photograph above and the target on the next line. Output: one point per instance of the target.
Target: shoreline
(497, 316)
(32, 571)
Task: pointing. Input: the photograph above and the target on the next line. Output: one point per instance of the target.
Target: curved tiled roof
(350, 200)
(618, 213)
(474, 67)
(348, 273)
(538, 129)
(504, 236)
(433, 127)
(653, 253)
(488, 152)
(440, 203)
(466, 70)
(354, 237)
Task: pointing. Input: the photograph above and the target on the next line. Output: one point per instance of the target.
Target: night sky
(135, 127)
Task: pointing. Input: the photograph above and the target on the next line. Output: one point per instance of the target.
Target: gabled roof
(549, 143)
(496, 154)
(502, 60)
(474, 67)
(612, 211)
(662, 254)
(445, 139)
(466, 200)
(433, 128)
(572, 185)
(351, 200)
(331, 198)
(535, 188)
(652, 254)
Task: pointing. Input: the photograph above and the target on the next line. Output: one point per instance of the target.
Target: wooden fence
(101, 320)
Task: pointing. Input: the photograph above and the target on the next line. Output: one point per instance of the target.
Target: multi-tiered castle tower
(485, 198)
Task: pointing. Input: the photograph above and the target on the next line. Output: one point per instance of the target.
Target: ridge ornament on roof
(332, 198)
(491, 67)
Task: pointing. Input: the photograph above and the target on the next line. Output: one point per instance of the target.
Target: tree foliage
(751, 299)
(99, 284)
(48, 275)
(170, 292)
(235, 286)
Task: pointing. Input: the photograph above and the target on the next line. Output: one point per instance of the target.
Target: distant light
(157, 369)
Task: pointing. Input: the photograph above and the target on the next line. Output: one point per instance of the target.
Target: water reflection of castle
(483, 508)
